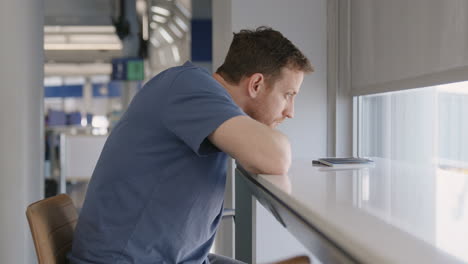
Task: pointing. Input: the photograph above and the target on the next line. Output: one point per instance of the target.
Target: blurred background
(98, 54)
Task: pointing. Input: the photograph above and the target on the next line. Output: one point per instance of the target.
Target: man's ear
(255, 84)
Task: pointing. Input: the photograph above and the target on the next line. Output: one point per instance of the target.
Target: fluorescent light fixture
(77, 69)
(55, 38)
(100, 121)
(74, 80)
(53, 81)
(166, 35)
(176, 31)
(181, 23)
(183, 10)
(159, 19)
(175, 53)
(93, 39)
(52, 29)
(79, 29)
(160, 10)
(75, 46)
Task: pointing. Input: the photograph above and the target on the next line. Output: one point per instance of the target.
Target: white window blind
(404, 44)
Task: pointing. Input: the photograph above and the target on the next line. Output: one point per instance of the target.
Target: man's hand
(257, 147)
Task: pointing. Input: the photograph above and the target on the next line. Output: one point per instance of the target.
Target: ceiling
(82, 33)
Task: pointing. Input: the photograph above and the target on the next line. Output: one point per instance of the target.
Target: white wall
(304, 23)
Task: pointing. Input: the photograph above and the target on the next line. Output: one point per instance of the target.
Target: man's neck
(234, 90)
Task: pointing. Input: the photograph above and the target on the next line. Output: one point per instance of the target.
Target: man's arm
(257, 147)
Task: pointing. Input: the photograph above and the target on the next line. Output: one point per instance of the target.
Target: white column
(222, 35)
(21, 124)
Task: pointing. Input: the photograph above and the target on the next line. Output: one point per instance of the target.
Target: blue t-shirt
(157, 192)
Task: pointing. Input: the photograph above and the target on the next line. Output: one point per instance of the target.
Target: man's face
(275, 103)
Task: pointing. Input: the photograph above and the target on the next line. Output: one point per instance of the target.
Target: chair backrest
(52, 222)
(295, 260)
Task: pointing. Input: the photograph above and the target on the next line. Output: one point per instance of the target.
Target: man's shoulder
(191, 71)
(188, 68)
(190, 78)
(188, 73)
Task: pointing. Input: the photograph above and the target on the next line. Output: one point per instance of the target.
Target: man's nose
(289, 110)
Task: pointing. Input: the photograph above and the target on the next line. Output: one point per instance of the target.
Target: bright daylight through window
(425, 133)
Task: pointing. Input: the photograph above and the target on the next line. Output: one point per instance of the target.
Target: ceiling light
(55, 39)
(181, 23)
(183, 10)
(175, 53)
(93, 39)
(159, 19)
(153, 25)
(84, 46)
(166, 35)
(73, 69)
(176, 31)
(79, 29)
(160, 10)
(100, 121)
(53, 81)
(74, 80)
(52, 29)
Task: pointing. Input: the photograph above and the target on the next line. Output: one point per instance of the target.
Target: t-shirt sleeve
(193, 114)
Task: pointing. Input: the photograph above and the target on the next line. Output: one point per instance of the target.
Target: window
(426, 125)
(425, 133)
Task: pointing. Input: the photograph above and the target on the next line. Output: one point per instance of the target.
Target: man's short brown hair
(263, 50)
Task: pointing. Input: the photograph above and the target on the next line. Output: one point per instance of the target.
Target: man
(156, 194)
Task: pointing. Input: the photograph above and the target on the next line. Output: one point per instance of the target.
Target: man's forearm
(272, 154)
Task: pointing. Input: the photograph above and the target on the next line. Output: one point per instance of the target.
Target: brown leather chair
(52, 222)
(295, 260)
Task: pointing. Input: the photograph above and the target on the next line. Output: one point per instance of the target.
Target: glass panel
(424, 132)
(428, 125)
